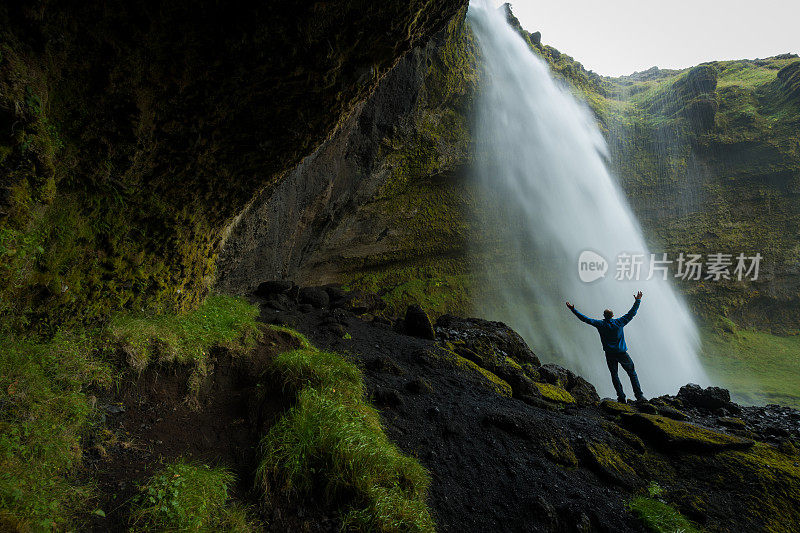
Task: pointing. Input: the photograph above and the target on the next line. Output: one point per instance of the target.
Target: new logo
(591, 266)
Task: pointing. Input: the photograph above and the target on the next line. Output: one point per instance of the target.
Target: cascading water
(546, 197)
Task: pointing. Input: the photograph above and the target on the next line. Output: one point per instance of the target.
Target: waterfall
(546, 197)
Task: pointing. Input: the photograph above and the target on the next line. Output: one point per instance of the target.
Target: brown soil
(152, 419)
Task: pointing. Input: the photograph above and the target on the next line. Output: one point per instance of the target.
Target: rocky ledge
(513, 444)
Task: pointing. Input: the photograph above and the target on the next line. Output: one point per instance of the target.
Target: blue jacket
(610, 329)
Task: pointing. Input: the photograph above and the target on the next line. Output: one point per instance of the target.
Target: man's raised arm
(581, 316)
(627, 317)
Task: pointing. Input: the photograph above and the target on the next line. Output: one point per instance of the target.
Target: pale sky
(618, 37)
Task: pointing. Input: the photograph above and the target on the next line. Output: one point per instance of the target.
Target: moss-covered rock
(682, 436)
(134, 139)
(557, 447)
(554, 393)
(775, 480)
(609, 463)
(616, 408)
(488, 378)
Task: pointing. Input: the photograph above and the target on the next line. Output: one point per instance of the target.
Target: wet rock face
(363, 205)
(181, 112)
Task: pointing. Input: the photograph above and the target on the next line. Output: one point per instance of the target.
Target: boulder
(708, 398)
(485, 337)
(555, 375)
(269, 288)
(316, 296)
(584, 392)
(671, 412)
(418, 324)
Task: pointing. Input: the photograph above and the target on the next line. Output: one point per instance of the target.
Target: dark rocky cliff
(384, 201)
(132, 134)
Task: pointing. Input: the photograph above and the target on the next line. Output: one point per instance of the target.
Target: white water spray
(548, 196)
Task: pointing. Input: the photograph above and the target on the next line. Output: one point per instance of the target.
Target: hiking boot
(641, 398)
(621, 399)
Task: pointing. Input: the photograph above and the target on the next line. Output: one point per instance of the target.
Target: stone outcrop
(131, 136)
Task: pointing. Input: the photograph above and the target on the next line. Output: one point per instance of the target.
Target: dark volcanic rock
(418, 324)
(671, 412)
(708, 398)
(316, 296)
(495, 335)
(528, 464)
(268, 288)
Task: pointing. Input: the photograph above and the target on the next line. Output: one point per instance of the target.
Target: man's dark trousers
(627, 364)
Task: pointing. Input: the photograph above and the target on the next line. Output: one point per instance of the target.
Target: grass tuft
(188, 497)
(220, 321)
(332, 441)
(43, 415)
(45, 408)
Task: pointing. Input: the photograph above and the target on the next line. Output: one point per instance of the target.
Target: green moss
(492, 381)
(498, 385)
(558, 449)
(331, 440)
(757, 367)
(554, 393)
(616, 407)
(624, 435)
(773, 478)
(660, 517)
(447, 294)
(682, 435)
(610, 463)
(188, 497)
